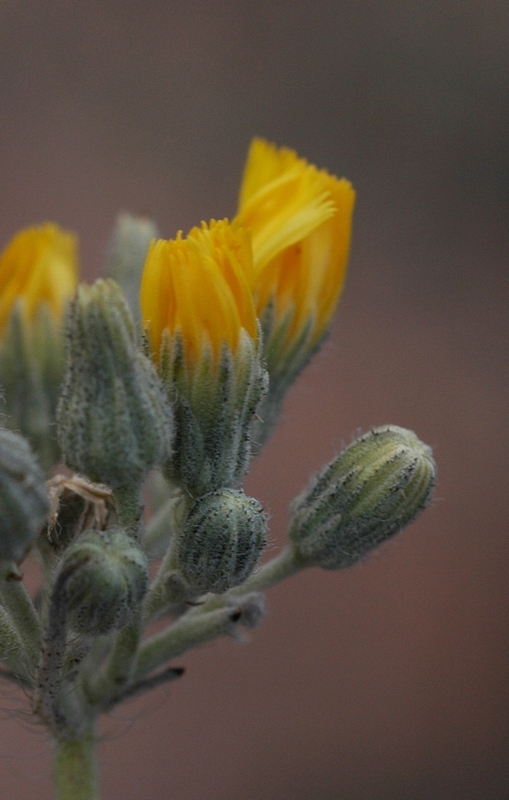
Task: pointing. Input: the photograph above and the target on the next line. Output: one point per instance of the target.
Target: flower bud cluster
(190, 382)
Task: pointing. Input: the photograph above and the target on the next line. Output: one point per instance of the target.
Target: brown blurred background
(391, 680)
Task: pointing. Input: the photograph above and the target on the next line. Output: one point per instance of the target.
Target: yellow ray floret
(300, 221)
(39, 266)
(197, 286)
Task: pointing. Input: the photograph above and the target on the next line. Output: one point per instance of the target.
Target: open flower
(300, 222)
(38, 268)
(196, 288)
(38, 277)
(198, 309)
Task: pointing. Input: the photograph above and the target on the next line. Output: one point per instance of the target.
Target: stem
(181, 636)
(168, 587)
(160, 528)
(75, 768)
(119, 668)
(283, 566)
(215, 617)
(22, 613)
(129, 509)
(50, 672)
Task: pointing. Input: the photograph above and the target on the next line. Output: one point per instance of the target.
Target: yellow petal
(198, 286)
(39, 266)
(300, 222)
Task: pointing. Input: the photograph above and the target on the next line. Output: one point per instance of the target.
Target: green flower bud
(128, 250)
(114, 421)
(368, 493)
(214, 410)
(222, 539)
(24, 503)
(102, 579)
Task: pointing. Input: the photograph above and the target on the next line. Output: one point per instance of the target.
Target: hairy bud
(24, 503)
(128, 249)
(368, 493)
(114, 421)
(103, 578)
(223, 538)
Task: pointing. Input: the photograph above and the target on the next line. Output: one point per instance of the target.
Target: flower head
(197, 288)
(38, 277)
(198, 308)
(38, 267)
(300, 221)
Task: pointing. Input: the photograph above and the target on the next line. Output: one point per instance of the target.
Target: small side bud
(102, 579)
(222, 539)
(24, 503)
(128, 250)
(368, 493)
(114, 421)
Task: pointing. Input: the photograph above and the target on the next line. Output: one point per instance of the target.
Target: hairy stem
(22, 614)
(129, 509)
(119, 667)
(75, 768)
(181, 636)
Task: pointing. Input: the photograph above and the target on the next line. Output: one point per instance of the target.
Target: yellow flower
(197, 288)
(197, 306)
(300, 221)
(38, 267)
(38, 277)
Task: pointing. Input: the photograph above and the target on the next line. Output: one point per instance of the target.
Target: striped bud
(223, 538)
(368, 493)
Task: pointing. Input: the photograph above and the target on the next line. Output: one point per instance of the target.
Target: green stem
(129, 509)
(181, 636)
(211, 619)
(119, 668)
(75, 768)
(160, 529)
(168, 587)
(23, 615)
(283, 566)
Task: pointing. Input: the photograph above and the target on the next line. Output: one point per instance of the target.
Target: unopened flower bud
(103, 577)
(24, 503)
(114, 419)
(128, 250)
(223, 538)
(368, 493)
